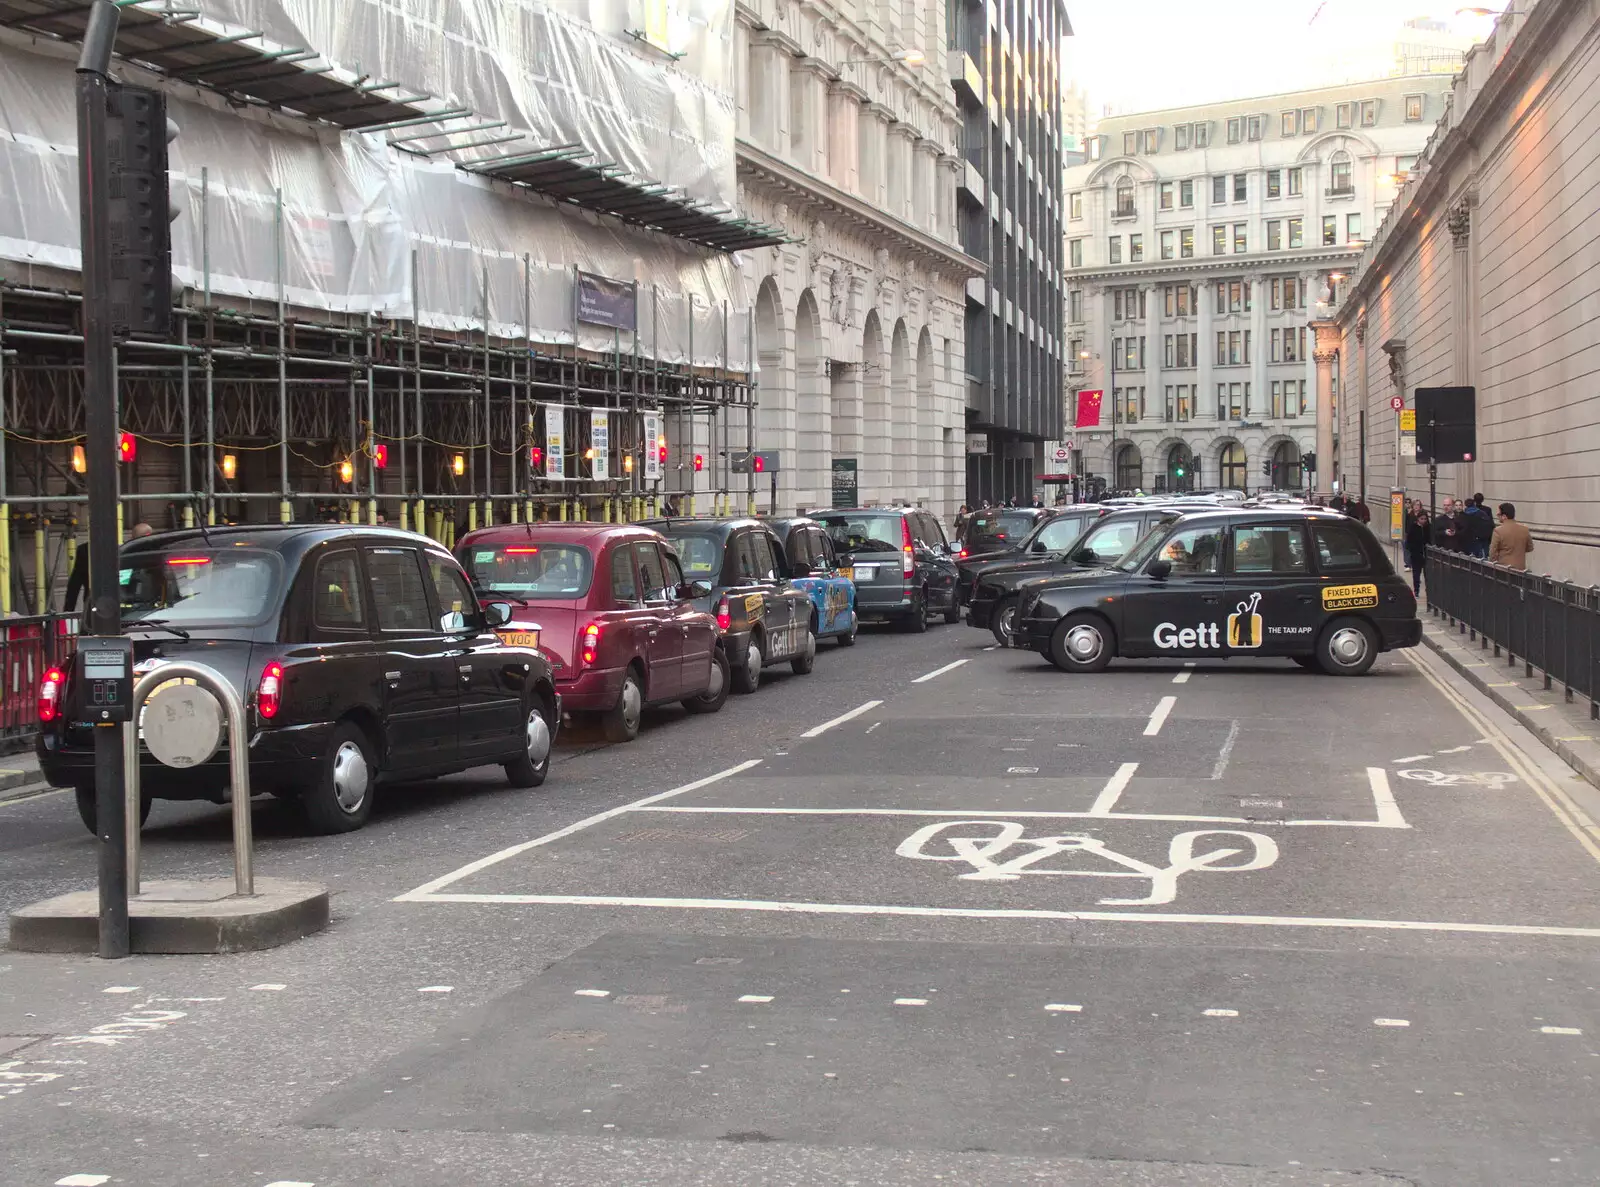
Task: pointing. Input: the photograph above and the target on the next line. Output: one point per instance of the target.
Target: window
(1128, 303)
(1338, 547)
(1235, 130)
(1404, 165)
(1339, 174)
(1186, 243)
(1275, 406)
(1233, 296)
(1114, 249)
(1230, 402)
(1342, 115)
(1296, 233)
(1130, 143)
(458, 606)
(1241, 238)
(1231, 462)
(1131, 401)
(1165, 194)
(1219, 191)
(624, 588)
(1274, 234)
(1277, 548)
(1135, 248)
(1129, 467)
(1124, 199)
(1352, 228)
(1181, 351)
(1166, 245)
(1330, 230)
(1293, 180)
(1152, 140)
(1369, 113)
(1289, 123)
(1186, 194)
(1219, 240)
(1179, 299)
(1075, 355)
(1254, 127)
(1193, 552)
(1075, 206)
(1180, 137)
(1288, 400)
(338, 602)
(397, 590)
(1075, 305)
(1240, 186)
(1294, 344)
(1075, 253)
(1286, 293)
(1202, 134)
(1308, 120)
(1274, 183)
(1128, 353)
(1096, 147)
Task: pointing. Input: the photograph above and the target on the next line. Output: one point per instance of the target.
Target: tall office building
(1005, 65)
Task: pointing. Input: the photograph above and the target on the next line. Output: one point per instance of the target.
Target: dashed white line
(923, 679)
(1221, 1013)
(591, 993)
(120, 989)
(1560, 1030)
(437, 989)
(992, 647)
(268, 987)
(1412, 758)
(1223, 755)
(756, 997)
(290, 1183)
(873, 726)
(1064, 1008)
(82, 1180)
(1457, 750)
(1391, 1022)
(910, 1001)
(1383, 799)
(816, 730)
(1112, 791)
(1159, 716)
(1182, 677)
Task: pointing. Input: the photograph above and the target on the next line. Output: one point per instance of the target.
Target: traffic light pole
(105, 617)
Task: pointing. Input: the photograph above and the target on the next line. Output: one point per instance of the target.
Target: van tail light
(907, 565)
(589, 651)
(50, 689)
(724, 615)
(269, 693)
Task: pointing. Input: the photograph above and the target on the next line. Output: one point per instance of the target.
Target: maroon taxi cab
(608, 606)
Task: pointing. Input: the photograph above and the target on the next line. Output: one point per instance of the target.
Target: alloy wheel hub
(350, 776)
(538, 739)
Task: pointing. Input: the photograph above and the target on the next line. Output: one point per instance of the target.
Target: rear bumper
(593, 691)
(287, 757)
(883, 597)
(979, 612)
(1405, 633)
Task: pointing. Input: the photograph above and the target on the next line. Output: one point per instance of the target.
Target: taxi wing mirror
(690, 590)
(1084, 556)
(1160, 568)
(497, 613)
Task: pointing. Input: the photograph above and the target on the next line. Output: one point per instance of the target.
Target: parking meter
(105, 676)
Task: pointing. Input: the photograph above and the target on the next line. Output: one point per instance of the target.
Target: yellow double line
(1564, 807)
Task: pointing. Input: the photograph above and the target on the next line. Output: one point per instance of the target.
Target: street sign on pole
(1397, 402)
(1397, 514)
(1408, 420)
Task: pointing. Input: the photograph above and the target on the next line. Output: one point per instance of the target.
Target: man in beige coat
(1511, 542)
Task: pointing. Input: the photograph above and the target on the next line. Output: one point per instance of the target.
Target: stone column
(1155, 409)
(1205, 400)
(1327, 347)
(844, 130)
(769, 93)
(874, 127)
(1462, 316)
(1260, 395)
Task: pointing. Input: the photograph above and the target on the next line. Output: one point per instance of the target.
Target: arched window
(1125, 198)
(1286, 474)
(1231, 466)
(1339, 179)
(1180, 468)
(1130, 468)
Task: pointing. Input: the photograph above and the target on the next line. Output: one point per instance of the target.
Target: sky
(1139, 55)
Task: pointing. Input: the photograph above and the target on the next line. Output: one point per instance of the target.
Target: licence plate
(848, 573)
(519, 638)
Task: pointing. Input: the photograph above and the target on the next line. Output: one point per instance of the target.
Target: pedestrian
(1448, 530)
(1360, 510)
(1511, 542)
(78, 577)
(962, 518)
(1416, 541)
(1480, 526)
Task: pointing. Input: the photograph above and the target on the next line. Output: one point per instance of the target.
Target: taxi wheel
(90, 815)
(802, 664)
(1082, 643)
(620, 723)
(1347, 647)
(716, 695)
(1003, 622)
(532, 764)
(849, 639)
(747, 677)
(341, 798)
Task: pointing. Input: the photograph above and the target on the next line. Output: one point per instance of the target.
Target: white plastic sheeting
(353, 211)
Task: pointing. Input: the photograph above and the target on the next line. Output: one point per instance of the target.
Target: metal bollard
(238, 764)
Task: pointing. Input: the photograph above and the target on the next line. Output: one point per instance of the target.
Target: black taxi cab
(361, 654)
(1305, 585)
(741, 567)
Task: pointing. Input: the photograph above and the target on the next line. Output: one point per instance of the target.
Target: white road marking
(1390, 1022)
(1159, 716)
(937, 672)
(1457, 750)
(120, 989)
(1412, 758)
(268, 987)
(437, 989)
(1008, 814)
(1223, 755)
(472, 867)
(993, 647)
(1064, 1008)
(82, 1180)
(816, 730)
(1560, 1030)
(873, 726)
(1383, 799)
(1022, 770)
(1221, 1013)
(1112, 791)
(756, 997)
(591, 993)
(910, 1001)
(290, 1183)
(1182, 677)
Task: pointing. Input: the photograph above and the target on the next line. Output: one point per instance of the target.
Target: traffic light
(140, 209)
(1180, 470)
(536, 459)
(380, 457)
(758, 464)
(699, 462)
(1308, 462)
(127, 448)
(1266, 467)
(661, 448)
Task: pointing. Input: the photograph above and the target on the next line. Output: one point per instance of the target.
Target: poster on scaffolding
(600, 445)
(555, 458)
(654, 443)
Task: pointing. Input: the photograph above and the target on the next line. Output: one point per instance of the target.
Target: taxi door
(1273, 597)
(1183, 612)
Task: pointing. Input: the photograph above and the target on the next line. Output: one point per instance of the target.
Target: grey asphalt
(1324, 932)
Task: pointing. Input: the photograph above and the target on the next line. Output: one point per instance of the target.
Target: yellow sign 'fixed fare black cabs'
(1306, 585)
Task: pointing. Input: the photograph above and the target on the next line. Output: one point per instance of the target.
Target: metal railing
(1543, 623)
(28, 648)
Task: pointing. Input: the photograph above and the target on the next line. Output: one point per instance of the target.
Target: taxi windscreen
(864, 532)
(532, 570)
(199, 587)
(701, 554)
(1147, 546)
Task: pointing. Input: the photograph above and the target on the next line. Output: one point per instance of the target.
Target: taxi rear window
(1006, 525)
(199, 586)
(1339, 548)
(531, 570)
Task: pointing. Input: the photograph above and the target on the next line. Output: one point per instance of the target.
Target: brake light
(50, 695)
(906, 565)
(528, 551)
(962, 555)
(188, 560)
(269, 693)
(591, 644)
(724, 615)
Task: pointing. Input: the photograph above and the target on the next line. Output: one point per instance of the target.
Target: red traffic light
(758, 463)
(127, 447)
(536, 458)
(380, 457)
(699, 462)
(661, 449)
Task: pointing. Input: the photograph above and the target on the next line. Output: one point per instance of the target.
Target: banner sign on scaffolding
(652, 449)
(600, 442)
(555, 458)
(606, 302)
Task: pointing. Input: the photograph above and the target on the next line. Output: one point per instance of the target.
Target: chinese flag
(1089, 409)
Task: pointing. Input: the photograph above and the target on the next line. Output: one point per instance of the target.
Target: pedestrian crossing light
(127, 448)
(536, 459)
(699, 462)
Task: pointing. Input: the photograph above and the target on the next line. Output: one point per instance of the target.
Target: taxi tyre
(717, 696)
(88, 810)
(849, 638)
(1347, 647)
(522, 771)
(1063, 658)
(747, 677)
(1003, 621)
(802, 664)
(347, 761)
(620, 723)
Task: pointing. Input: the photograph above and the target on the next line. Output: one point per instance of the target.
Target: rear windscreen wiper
(157, 624)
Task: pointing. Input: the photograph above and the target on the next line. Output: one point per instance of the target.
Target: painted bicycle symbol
(998, 851)
(1492, 779)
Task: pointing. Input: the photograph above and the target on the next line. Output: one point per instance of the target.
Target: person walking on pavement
(1417, 540)
(1448, 530)
(1360, 510)
(78, 578)
(1480, 526)
(1511, 542)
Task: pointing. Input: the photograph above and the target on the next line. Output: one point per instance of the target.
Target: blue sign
(605, 302)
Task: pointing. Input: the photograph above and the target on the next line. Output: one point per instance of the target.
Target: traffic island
(178, 916)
